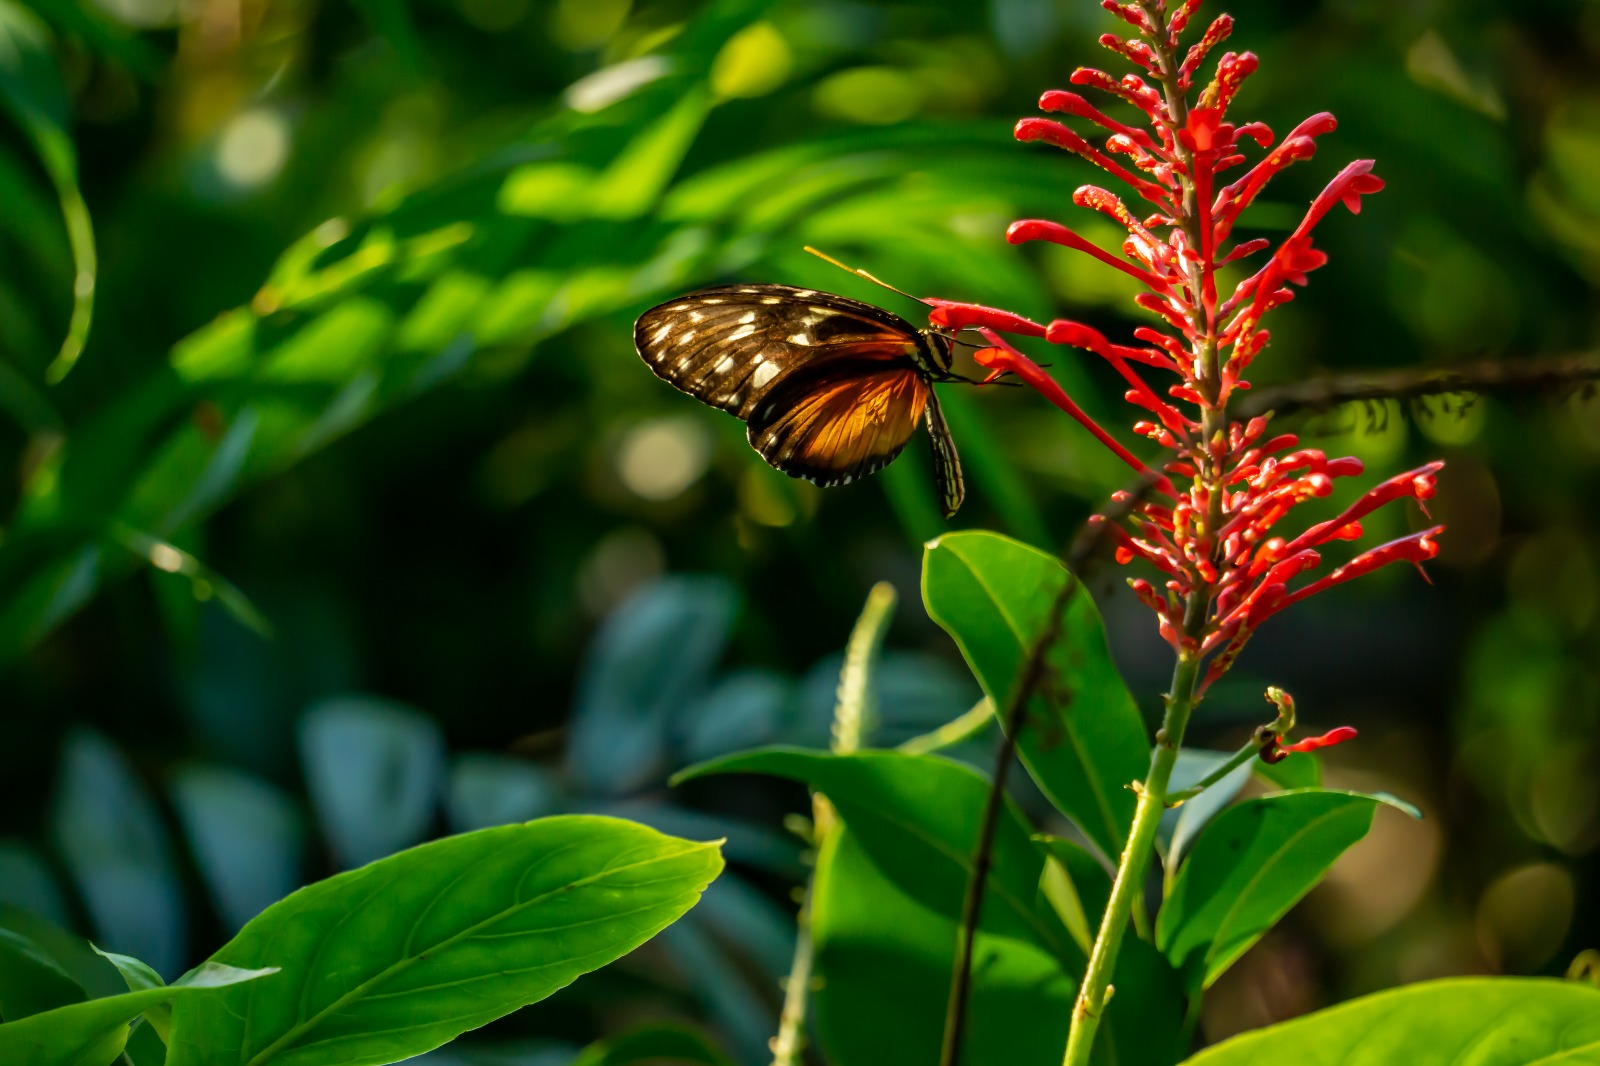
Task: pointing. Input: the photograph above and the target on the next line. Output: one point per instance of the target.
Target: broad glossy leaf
(141, 978)
(1083, 740)
(1249, 867)
(1298, 769)
(651, 658)
(106, 826)
(247, 838)
(884, 962)
(917, 817)
(404, 954)
(92, 1033)
(373, 769)
(1485, 1021)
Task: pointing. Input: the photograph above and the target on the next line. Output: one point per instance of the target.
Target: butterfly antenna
(862, 273)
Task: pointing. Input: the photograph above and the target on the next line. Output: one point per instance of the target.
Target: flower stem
(1096, 989)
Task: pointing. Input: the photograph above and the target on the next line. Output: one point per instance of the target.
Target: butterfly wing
(947, 479)
(834, 424)
(732, 346)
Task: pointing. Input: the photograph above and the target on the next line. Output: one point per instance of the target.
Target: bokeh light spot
(579, 25)
(754, 62)
(659, 459)
(253, 148)
(871, 95)
(620, 562)
(1523, 916)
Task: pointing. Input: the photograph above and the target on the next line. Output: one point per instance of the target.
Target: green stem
(1096, 989)
(1238, 759)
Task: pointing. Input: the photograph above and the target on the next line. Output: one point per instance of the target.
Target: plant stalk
(1096, 988)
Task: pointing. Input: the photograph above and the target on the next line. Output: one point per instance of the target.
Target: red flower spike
(1326, 740)
(951, 315)
(1215, 34)
(1037, 230)
(1226, 568)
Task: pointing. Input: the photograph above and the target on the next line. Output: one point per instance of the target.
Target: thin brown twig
(1030, 676)
(1490, 376)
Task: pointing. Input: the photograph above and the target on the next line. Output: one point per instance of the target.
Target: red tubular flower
(1214, 539)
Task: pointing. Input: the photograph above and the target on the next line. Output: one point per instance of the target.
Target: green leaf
(30, 980)
(373, 769)
(404, 954)
(1179, 827)
(140, 978)
(32, 91)
(93, 1033)
(653, 655)
(1249, 867)
(1077, 886)
(917, 817)
(883, 963)
(246, 836)
(107, 827)
(1487, 1021)
(660, 1044)
(1083, 740)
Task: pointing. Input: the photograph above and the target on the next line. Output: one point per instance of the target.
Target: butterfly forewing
(729, 346)
(831, 388)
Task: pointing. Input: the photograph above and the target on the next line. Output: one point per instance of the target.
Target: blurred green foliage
(321, 528)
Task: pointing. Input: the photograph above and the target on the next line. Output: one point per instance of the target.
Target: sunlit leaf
(399, 956)
(93, 1033)
(1249, 866)
(1488, 1021)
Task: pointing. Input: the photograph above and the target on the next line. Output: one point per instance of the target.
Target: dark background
(430, 467)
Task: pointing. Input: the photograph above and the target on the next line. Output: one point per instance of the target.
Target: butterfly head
(933, 353)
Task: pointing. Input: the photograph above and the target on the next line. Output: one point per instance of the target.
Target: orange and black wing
(732, 346)
(833, 425)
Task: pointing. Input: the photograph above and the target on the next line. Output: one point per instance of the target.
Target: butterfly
(830, 389)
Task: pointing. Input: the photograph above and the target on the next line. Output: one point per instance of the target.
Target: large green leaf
(1496, 1021)
(917, 817)
(1083, 740)
(883, 965)
(30, 980)
(404, 954)
(1249, 866)
(92, 1033)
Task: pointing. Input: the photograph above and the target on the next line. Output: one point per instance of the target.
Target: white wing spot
(800, 338)
(661, 333)
(696, 316)
(741, 333)
(686, 336)
(771, 300)
(803, 293)
(764, 373)
(747, 318)
(713, 300)
(823, 312)
(724, 366)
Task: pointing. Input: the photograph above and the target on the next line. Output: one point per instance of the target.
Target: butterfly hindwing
(730, 346)
(833, 425)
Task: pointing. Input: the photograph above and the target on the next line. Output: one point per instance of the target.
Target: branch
(1494, 376)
